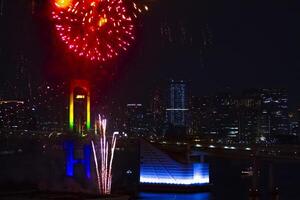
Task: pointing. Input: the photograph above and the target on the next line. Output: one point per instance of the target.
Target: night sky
(226, 43)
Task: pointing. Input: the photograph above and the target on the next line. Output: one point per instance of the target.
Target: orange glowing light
(63, 3)
(80, 96)
(102, 21)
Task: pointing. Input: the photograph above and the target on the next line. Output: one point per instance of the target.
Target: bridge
(277, 153)
(256, 155)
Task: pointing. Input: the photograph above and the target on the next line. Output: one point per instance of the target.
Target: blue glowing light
(158, 168)
(71, 161)
(177, 196)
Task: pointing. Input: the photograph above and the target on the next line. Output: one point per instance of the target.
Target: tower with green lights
(80, 106)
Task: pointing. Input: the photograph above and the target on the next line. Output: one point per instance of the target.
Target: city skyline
(195, 46)
(149, 99)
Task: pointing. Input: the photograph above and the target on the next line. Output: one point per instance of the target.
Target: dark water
(227, 182)
(47, 173)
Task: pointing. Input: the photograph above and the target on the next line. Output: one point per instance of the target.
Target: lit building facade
(178, 106)
(226, 116)
(137, 120)
(274, 119)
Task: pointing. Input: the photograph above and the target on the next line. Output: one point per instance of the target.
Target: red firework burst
(95, 29)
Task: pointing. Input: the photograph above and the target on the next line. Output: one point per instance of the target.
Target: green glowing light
(88, 113)
(71, 112)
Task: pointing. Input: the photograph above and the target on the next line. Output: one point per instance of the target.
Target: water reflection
(172, 196)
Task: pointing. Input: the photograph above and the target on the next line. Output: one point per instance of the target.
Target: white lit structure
(158, 168)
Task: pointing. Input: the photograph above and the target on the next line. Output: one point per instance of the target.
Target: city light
(11, 101)
(88, 112)
(71, 111)
(177, 109)
(200, 100)
(80, 96)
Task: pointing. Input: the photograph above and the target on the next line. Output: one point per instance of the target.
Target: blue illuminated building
(158, 168)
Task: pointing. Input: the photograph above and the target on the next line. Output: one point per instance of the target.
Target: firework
(106, 151)
(96, 29)
(138, 8)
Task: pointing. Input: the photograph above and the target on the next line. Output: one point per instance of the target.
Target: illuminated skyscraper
(274, 116)
(177, 103)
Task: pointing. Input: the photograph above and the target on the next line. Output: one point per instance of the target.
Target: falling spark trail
(97, 169)
(105, 178)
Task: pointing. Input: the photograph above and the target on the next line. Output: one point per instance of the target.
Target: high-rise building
(137, 121)
(157, 108)
(263, 114)
(201, 115)
(274, 119)
(226, 118)
(257, 115)
(178, 106)
(249, 109)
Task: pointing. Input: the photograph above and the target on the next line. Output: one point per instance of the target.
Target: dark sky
(248, 44)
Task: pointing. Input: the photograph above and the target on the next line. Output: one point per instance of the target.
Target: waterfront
(225, 177)
(227, 182)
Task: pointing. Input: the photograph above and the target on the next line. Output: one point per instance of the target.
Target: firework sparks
(97, 30)
(106, 151)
